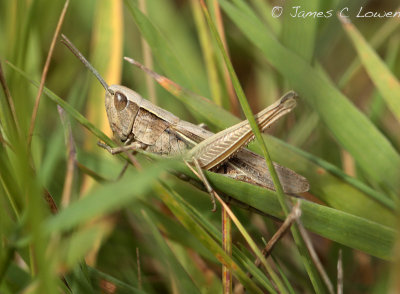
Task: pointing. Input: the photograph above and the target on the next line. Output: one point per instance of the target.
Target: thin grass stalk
(386, 82)
(139, 270)
(44, 73)
(238, 224)
(170, 198)
(314, 257)
(378, 105)
(208, 54)
(292, 217)
(147, 59)
(71, 158)
(252, 245)
(340, 273)
(228, 80)
(10, 198)
(227, 246)
(376, 41)
(248, 113)
(9, 100)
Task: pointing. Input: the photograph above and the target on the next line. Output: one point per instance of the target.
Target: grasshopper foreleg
(131, 147)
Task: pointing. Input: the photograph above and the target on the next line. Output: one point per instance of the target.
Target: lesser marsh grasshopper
(139, 124)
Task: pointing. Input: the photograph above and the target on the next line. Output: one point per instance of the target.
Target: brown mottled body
(159, 131)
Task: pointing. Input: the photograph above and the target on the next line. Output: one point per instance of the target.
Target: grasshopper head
(122, 106)
(121, 102)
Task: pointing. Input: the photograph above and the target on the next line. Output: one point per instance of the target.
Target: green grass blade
(285, 279)
(366, 235)
(381, 76)
(161, 50)
(344, 228)
(216, 235)
(208, 55)
(68, 108)
(106, 57)
(297, 34)
(312, 272)
(172, 200)
(265, 9)
(183, 280)
(247, 111)
(377, 40)
(122, 288)
(105, 199)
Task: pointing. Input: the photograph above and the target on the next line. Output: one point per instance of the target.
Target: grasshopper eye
(120, 101)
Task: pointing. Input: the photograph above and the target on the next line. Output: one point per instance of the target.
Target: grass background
(343, 137)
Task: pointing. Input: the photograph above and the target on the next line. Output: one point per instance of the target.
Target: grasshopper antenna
(79, 55)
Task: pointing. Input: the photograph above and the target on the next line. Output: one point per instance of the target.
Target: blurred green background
(149, 232)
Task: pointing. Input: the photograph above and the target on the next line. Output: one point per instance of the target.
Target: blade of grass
(377, 105)
(167, 59)
(106, 56)
(97, 277)
(246, 109)
(344, 228)
(381, 76)
(297, 34)
(285, 279)
(208, 54)
(264, 8)
(9, 186)
(172, 229)
(253, 246)
(72, 249)
(184, 282)
(99, 202)
(237, 253)
(174, 202)
(106, 52)
(9, 105)
(148, 59)
(71, 158)
(217, 18)
(227, 246)
(312, 272)
(68, 108)
(44, 74)
(377, 40)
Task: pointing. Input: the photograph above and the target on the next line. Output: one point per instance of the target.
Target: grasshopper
(139, 124)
